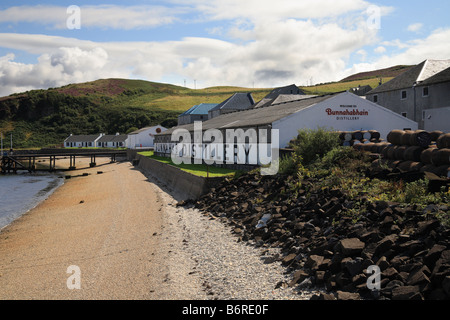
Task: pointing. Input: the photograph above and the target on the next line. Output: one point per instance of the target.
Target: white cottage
(82, 141)
(113, 141)
(143, 138)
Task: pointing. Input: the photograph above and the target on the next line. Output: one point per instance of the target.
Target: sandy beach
(100, 223)
(122, 230)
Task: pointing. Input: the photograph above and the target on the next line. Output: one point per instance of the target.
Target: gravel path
(206, 261)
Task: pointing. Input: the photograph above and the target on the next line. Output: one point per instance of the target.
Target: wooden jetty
(15, 162)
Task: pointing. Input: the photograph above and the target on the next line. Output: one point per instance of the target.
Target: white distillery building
(338, 112)
(144, 138)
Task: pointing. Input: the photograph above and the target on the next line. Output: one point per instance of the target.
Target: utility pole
(195, 84)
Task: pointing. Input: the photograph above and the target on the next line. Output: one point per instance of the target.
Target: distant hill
(41, 118)
(391, 72)
(371, 78)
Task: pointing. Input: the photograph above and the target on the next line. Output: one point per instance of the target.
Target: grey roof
(254, 117)
(443, 76)
(361, 90)
(238, 101)
(265, 102)
(82, 138)
(291, 89)
(413, 76)
(277, 92)
(113, 138)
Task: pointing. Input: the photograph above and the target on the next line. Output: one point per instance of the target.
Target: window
(425, 92)
(405, 114)
(404, 95)
(375, 98)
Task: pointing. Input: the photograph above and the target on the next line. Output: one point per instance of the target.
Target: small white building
(113, 141)
(143, 138)
(82, 141)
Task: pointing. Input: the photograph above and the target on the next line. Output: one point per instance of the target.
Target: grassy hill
(42, 118)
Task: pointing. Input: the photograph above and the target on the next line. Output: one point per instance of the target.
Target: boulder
(323, 296)
(406, 293)
(313, 262)
(351, 246)
(343, 295)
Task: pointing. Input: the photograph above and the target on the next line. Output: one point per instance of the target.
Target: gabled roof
(443, 76)
(414, 76)
(113, 138)
(281, 98)
(254, 117)
(238, 101)
(360, 90)
(82, 138)
(291, 89)
(275, 93)
(200, 109)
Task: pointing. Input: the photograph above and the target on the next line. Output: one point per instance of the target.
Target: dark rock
(351, 246)
(390, 273)
(288, 259)
(406, 293)
(353, 266)
(424, 227)
(446, 285)
(313, 262)
(383, 263)
(385, 244)
(320, 277)
(387, 290)
(299, 276)
(342, 295)
(323, 296)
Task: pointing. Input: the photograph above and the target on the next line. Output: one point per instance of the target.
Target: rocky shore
(325, 245)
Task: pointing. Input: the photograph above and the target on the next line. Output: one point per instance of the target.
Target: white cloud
(380, 50)
(415, 27)
(267, 43)
(99, 16)
(435, 46)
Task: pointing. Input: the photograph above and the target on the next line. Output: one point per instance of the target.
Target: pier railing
(12, 163)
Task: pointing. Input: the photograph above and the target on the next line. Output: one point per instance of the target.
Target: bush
(312, 145)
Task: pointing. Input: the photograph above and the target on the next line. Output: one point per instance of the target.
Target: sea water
(20, 193)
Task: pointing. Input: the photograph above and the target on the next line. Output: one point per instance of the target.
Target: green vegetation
(344, 168)
(42, 118)
(201, 170)
(334, 87)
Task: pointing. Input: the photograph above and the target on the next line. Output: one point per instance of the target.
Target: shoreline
(130, 240)
(80, 224)
(37, 198)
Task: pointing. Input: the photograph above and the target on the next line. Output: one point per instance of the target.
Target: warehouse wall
(330, 114)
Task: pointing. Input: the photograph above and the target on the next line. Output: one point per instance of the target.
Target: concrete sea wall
(186, 185)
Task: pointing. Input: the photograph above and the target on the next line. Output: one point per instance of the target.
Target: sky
(204, 43)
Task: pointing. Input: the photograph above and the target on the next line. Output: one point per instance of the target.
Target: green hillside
(42, 118)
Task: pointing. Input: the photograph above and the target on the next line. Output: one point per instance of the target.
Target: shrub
(312, 145)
